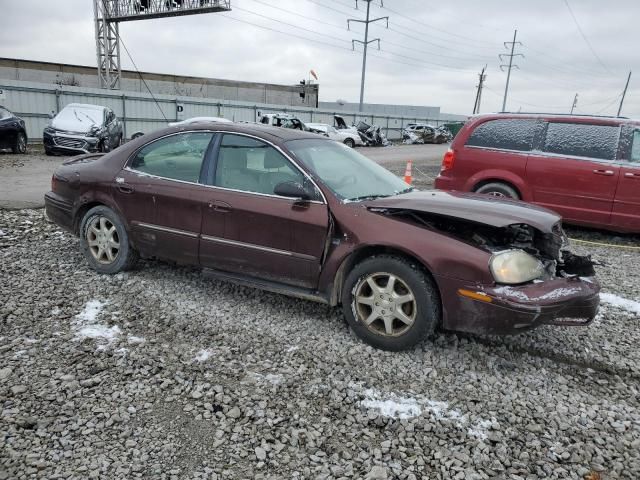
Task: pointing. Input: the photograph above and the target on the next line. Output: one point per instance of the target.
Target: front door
(165, 177)
(575, 172)
(626, 207)
(265, 235)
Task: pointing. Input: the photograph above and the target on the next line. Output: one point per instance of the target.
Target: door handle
(218, 206)
(608, 173)
(125, 189)
(632, 175)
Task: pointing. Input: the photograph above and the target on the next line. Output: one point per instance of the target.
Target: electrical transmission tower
(510, 66)
(482, 77)
(109, 13)
(366, 42)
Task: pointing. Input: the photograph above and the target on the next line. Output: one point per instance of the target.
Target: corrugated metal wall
(141, 112)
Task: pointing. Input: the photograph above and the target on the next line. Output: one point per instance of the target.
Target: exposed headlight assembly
(515, 266)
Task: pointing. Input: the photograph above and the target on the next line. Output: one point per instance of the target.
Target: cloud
(425, 37)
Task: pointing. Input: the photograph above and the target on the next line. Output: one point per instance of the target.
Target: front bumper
(512, 309)
(68, 143)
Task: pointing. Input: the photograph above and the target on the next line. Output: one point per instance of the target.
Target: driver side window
(635, 148)
(249, 165)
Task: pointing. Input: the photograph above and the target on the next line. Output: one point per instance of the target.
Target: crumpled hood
(478, 208)
(72, 125)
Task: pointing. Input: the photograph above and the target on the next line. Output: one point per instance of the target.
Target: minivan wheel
(21, 144)
(105, 243)
(349, 142)
(498, 189)
(390, 303)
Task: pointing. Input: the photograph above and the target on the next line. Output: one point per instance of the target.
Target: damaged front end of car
(538, 280)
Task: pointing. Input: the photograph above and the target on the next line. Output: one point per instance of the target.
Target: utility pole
(482, 77)
(366, 42)
(575, 103)
(624, 94)
(511, 65)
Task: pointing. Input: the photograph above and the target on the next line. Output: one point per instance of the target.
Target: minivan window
(635, 149)
(506, 134)
(582, 140)
(177, 157)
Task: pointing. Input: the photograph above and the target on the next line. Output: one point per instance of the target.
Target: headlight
(49, 130)
(515, 266)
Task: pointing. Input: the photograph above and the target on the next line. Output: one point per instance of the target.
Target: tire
(95, 234)
(349, 142)
(422, 311)
(21, 144)
(499, 189)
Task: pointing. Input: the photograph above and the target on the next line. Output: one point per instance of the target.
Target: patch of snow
(2, 234)
(586, 279)
(558, 293)
(19, 353)
(203, 356)
(293, 348)
(620, 302)
(99, 332)
(55, 311)
(91, 311)
(511, 292)
(393, 407)
(272, 378)
(132, 339)
(480, 429)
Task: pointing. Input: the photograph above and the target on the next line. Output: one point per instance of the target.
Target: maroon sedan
(299, 214)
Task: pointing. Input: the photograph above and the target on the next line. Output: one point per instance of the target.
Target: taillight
(53, 183)
(447, 161)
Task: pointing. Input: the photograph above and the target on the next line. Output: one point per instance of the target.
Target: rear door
(163, 195)
(574, 170)
(496, 150)
(8, 128)
(265, 235)
(626, 206)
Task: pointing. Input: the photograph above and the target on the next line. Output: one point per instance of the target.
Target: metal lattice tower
(109, 13)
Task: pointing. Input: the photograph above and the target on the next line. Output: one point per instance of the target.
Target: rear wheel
(21, 144)
(349, 142)
(390, 303)
(105, 243)
(499, 189)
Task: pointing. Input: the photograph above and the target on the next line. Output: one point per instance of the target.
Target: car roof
(557, 116)
(274, 134)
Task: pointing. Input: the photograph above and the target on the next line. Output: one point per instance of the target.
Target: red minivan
(586, 168)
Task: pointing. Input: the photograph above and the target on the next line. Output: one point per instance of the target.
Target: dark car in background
(13, 134)
(586, 168)
(297, 213)
(82, 128)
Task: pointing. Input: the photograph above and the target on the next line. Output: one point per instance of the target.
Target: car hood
(478, 208)
(72, 125)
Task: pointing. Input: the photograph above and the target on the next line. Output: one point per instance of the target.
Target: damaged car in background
(418, 133)
(296, 213)
(371, 135)
(82, 128)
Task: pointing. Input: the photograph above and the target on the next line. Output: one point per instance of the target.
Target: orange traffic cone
(407, 173)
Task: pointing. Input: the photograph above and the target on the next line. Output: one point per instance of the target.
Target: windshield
(350, 175)
(81, 116)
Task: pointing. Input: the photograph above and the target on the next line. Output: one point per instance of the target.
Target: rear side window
(582, 140)
(507, 134)
(178, 157)
(635, 149)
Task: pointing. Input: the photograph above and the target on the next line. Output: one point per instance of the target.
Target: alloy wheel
(385, 304)
(103, 240)
(22, 144)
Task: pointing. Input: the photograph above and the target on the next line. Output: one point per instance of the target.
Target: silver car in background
(348, 137)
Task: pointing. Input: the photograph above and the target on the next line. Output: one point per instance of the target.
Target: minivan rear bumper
(514, 309)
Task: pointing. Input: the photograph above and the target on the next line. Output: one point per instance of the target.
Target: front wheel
(21, 144)
(105, 243)
(349, 142)
(390, 302)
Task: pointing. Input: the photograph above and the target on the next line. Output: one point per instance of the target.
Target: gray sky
(431, 54)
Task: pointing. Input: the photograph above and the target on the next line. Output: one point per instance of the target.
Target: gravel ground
(164, 373)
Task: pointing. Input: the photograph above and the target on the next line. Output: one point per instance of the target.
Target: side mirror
(51, 115)
(292, 190)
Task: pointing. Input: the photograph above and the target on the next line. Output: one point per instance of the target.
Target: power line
(365, 43)
(584, 37)
(511, 65)
(341, 27)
